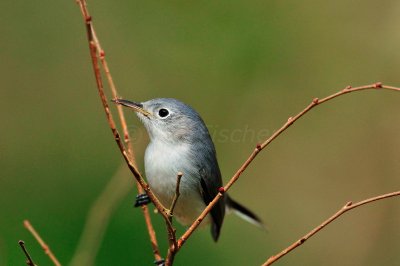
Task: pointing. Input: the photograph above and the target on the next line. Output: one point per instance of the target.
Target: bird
(181, 143)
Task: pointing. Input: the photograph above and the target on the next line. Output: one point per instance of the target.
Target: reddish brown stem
(315, 102)
(29, 260)
(44, 246)
(349, 206)
(173, 245)
(128, 154)
(162, 210)
(95, 49)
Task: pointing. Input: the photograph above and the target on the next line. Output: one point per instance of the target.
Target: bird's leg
(142, 199)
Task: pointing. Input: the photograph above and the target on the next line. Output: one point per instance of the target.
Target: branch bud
(378, 85)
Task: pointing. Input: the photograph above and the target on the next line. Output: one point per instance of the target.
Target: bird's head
(167, 119)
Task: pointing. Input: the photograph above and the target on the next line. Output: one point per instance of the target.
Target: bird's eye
(163, 112)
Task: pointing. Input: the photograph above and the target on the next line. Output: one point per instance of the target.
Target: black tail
(243, 212)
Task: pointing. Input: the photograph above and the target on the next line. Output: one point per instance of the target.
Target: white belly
(162, 164)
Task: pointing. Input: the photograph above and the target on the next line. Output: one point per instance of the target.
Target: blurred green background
(246, 66)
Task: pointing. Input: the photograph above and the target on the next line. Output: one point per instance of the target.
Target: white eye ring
(163, 113)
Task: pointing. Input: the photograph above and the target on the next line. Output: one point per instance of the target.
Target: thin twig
(121, 115)
(95, 49)
(177, 193)
(127, 139)
(173, 245)
(315, 102)
(162, 210)
(44, 246)
(347, 207)
(172, 250)
(117, 137)
(29, 260)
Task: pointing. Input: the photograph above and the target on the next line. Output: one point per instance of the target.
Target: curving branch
(177, 194)
(29, 260)
(347, 207)
(44, 246)
(315, 102)
(173, 245)
(96, 52)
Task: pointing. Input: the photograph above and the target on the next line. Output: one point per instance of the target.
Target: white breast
(162, 164)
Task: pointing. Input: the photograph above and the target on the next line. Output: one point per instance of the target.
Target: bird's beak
(137, 107)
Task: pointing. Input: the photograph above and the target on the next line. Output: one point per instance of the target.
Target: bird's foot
(142, 199)
(160, 262)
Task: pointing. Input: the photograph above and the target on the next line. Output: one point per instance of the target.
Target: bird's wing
(210, 182)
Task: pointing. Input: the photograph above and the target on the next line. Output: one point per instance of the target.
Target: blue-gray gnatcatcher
(180, 142)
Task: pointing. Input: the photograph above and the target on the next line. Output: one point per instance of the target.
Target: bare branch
(110, 119)
(347, 207)
(173, 245)
(29, 260)
(177, 193)
(95, 49)
(128, 143)
(315, 102)
(44, 246)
